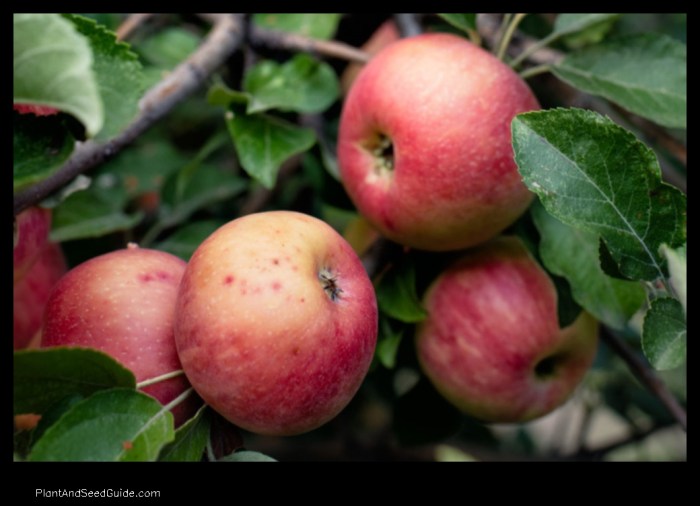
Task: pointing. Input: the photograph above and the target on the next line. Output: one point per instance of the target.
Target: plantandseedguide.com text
(105, 492)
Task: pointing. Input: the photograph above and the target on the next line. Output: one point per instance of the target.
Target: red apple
(123, 303)
(492, 344)
(424, 144)
(276, 322)
(31, 293)
(37, 110)
(32, 227)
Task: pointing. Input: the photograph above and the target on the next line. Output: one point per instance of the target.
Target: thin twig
(646, 376)
(130, 24)
(535, 71)
(408, 25)
(224, 38)
(295, 42)
(508, 35)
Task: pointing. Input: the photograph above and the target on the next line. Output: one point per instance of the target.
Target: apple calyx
(329, 284)
(383, 153)
(545, 368)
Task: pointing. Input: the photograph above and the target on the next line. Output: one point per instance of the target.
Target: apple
(492, 345)
(276, 322)
(387, 33)
(123, 303)
(31, 293)
(32, 230)
(424, 144)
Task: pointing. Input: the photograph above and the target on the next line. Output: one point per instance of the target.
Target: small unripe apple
(123, 303)
(492, 344)
(32, 230)
(276, 322)
(31, 293)
(424, 144)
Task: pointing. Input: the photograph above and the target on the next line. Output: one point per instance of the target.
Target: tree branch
(408, 25)
(295, 42)
(646, 376)
(224, 38)
(130, 24)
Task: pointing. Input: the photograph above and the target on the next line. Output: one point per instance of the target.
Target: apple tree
(158, 129)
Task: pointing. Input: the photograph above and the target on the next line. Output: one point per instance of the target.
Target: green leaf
(573, 253)
(592, 174)
(388, 344)
(144, 167)
(396, 294)
(208, 185)
(567, 24)
(664, 334)
(592, 34)
(677, 268)
(190, 439)
(246, 456)
(56, 411)
(187, 238)
(95, 212)
(53, 67)
(302, 84)
(169, 47)
(317, 26)
(222, 95)
(646, 74)
(45, 376)
(263, 143)
(118, 73)
(112, 425)
(464, 22)
(40, 146)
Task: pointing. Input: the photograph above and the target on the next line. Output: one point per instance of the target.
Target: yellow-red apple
(123, 303)
(492, 344)
(276, 322)
(424, 145)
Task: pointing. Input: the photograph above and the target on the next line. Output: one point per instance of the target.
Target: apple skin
(33, 227)
(32, 292)
(122, 303)
(263, 338)
(424, 144)
(492, 345)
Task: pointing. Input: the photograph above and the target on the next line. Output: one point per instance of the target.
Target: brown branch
(224, 38)
(130, 24)
(294, 42)
(646, 376)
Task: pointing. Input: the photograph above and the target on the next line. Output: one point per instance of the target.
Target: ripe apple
(424, 144)
(492, 344)
(31, 293)
(276, 322)
(123, 303)
(387, 33)
(32, 231)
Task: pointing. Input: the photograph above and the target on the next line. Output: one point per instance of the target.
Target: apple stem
(157, 379)
(534, 48)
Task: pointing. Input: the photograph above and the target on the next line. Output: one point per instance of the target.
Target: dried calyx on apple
(276, 322)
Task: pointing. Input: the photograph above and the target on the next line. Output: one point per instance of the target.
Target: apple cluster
(273, 320)
(425, 154)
